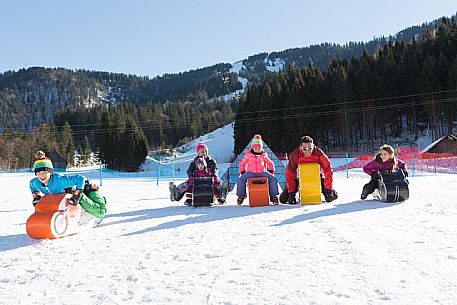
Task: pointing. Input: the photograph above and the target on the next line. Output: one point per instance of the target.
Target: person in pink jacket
(255, 164)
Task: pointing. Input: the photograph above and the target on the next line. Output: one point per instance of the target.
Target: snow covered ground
(149, 250)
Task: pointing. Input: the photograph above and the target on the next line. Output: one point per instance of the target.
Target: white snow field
(149, 250)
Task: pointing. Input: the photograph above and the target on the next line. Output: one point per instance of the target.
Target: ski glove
(74, 200)
(330, 195)
(271, 171)
(374, 175)
(292, 199)
(90, 187)
(36, 199)
(242, 172)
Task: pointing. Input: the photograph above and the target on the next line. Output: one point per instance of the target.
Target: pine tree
(45, 138)
(67, 145)
(85, 150)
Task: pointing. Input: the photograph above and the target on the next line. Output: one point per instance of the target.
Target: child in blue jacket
(83, 192)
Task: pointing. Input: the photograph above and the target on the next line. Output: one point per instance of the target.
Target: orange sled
(53, 217)
(258, 192)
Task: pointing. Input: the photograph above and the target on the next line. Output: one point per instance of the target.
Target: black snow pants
(371, 186)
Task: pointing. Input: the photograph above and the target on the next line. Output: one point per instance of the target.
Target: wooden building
(447, 144)
(58, 161)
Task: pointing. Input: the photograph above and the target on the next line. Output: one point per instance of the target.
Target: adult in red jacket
(305, 153)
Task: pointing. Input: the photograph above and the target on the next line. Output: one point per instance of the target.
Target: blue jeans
(272, 183)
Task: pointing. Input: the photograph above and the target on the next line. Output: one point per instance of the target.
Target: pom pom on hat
(42, 163)
(257, 142)
(200, 146)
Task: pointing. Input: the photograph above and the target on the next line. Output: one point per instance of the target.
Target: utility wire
(303, 107)
(259, 119)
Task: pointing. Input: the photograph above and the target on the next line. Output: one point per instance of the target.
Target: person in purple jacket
(385, 161)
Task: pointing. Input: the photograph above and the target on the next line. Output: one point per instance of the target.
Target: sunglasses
(307, 148)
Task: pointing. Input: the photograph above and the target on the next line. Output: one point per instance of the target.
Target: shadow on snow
(344, 208)
(9, 242)
(202, 215)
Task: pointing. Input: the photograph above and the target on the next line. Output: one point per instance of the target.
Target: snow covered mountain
(32, 96)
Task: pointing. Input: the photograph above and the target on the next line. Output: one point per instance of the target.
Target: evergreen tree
(67, 145)
(85, 150)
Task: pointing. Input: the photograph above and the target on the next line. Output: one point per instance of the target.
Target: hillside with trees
(31, 96)
(120, 136)
(405, 87)
(347, 96)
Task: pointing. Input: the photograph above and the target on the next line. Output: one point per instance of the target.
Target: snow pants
(371, 186)
(272, 183)
(94, 203)
(187, 186)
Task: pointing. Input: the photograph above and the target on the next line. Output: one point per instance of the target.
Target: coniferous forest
(121, 136)
(351, 97)
(355, 104)
(118, 117)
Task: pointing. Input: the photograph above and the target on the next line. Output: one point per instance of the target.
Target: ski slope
(220, 146)
(149, 250)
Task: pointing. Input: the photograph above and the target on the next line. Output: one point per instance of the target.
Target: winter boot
(363, 196)
(173, 191)
(240, 200)
(284, 196)
(224, 189)
(274, 199)
(188, 202)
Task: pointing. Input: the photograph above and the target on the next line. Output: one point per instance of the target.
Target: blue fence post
(347, 166)
(412, 165)
(101, 182)
(158, 171)
(173, 168)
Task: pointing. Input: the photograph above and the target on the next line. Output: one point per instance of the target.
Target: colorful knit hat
(42, 163)
(201, 160)
(201, 145)
(257, 142)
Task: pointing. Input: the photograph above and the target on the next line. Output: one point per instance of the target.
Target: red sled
(53, 217)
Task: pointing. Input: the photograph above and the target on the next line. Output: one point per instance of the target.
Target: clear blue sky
(152, 37)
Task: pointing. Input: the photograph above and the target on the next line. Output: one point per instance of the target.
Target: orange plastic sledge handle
(39, 224)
